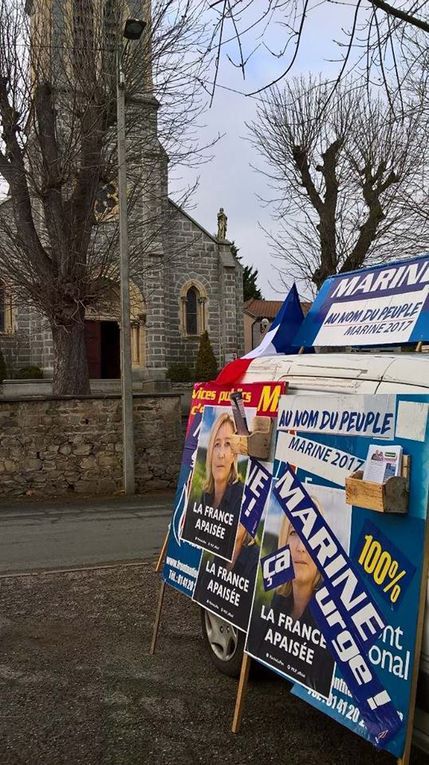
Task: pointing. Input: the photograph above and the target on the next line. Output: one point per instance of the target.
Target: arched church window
(6, 309)
(192, 311)
(193, 298)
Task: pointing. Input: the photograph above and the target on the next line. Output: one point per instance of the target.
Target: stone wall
(58, 446)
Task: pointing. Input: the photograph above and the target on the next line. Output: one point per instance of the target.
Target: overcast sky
(229, 180)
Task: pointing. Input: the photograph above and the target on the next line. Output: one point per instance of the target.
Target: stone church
(185, 280)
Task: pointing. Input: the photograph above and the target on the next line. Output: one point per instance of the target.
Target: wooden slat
(241, 693)
(157, 619)
(160, 560)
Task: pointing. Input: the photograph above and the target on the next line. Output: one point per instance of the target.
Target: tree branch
(328, 213)
(52, 179)
(375, 215)
(300, 157)
(398, 14)
(13, 169)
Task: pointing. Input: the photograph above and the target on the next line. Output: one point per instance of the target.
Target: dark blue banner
(255, 495)
(383, 564)
(375, 705)
(277, 568)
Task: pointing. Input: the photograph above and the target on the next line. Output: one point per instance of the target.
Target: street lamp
(132, 31)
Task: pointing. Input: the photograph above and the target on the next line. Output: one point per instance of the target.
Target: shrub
(29, 373)
(206, 365)
(179, 373)
(3, 368)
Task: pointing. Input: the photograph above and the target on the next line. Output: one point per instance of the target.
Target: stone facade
(170, 254)
(28, 342)
(61, 446)
(208, 263)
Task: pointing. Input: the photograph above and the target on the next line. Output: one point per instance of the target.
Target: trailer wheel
(224, 643)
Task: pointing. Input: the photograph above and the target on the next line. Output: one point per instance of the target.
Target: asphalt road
(66, 534)
(76, 681)
(78, 686)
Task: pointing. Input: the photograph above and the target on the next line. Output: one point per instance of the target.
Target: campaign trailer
(329, 375)
(369, 374)
(365, 615)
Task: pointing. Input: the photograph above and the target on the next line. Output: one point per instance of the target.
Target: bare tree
(378, 37)
(346, 180)
(58, 237)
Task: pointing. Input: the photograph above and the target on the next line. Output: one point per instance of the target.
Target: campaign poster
(283, 632)
(225, 586)
(227, 589)
(242, 505)
(216, 492)
(381, 305)
(182, 560)
(366, 602)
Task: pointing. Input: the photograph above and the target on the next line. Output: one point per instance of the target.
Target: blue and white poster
(383, 305)
(338, 589)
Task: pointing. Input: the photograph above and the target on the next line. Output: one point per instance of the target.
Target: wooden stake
(158, 568)
(405, 759)
(157, 619)
(419, 346)
(160, 560)
(241, 693)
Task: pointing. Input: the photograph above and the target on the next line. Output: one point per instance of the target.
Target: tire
(224, 643)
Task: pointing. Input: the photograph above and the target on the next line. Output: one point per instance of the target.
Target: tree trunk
(71, 375)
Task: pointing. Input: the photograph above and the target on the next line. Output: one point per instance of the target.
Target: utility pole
(132, 31)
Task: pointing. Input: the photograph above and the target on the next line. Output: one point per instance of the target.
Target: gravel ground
(78, 686)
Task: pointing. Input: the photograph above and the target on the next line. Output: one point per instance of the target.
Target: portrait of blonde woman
(222, 487)
(297, 594)
(213, 510)
(300, 649)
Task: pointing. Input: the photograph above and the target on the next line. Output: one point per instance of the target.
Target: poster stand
(241, 693)
(398, 502)
(157, 619)
(157, 569)
(245, 664)
(161, 556)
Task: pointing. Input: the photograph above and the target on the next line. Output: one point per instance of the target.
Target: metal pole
(126, 367)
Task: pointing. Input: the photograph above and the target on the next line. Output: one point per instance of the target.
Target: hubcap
(222, 636)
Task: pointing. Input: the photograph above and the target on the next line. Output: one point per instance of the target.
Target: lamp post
(132, 31)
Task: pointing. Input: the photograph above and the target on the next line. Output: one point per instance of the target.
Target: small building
(258, 317)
